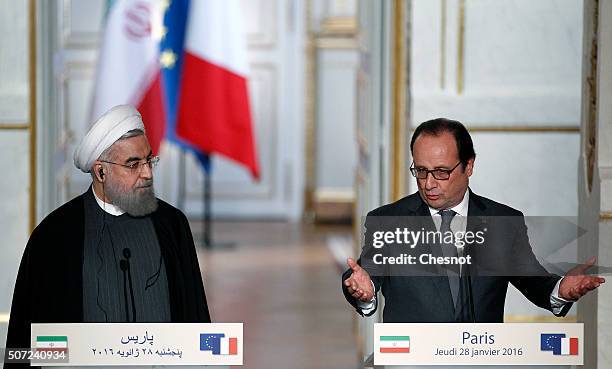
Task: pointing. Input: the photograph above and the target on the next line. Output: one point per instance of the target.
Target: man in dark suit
(444, 157)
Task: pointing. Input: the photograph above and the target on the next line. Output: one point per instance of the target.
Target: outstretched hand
(359, 284)
(576, 283)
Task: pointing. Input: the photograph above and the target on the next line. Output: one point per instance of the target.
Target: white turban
(104, 133)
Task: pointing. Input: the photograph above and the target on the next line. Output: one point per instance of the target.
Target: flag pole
(207, 231)
(182, 175)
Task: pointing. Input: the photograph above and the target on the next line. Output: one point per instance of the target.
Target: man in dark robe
(115, 253)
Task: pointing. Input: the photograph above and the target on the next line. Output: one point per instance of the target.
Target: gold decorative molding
(32, 112)
(87, 40)
(362, 141)
(526, 129)
(14, 126)
(334, 205)
(358, 338)
(399, 96)
(590, 136)
(605, 216)
(360, 180)
(461, 47)
(325, 42)
(443, 44)
(266, 36)
(310, 105)
(335, 195)
(520, 129)
(339, 26)
(512, 318)
(336, 33)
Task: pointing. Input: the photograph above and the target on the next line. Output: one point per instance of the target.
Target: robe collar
(109, 208)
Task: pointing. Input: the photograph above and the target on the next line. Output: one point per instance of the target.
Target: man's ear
(469, 168)
(99, 172)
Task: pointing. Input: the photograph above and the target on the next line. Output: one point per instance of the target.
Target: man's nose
(430, 182)
(146, 171)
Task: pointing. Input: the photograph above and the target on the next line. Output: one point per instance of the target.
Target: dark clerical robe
(49, 287)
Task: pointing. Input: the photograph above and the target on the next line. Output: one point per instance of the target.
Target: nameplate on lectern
(479, 344)
(123, 344)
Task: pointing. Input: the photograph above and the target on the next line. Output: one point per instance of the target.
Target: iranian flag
(214, 113)
(128, 70)
(228, 346)
(569, 346)
(183, 65)
(394, 344)
(52, 343)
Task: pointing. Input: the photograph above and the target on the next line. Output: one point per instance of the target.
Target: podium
(476, 345)
(368, 363)
(137, 345)
(144, 367)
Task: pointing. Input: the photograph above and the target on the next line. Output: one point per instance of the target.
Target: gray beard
(136, 204)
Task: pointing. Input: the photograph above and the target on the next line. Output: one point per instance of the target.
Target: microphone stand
(465, 285)
(127, 254)
(124, 266)
(126, 262)
(470, 295)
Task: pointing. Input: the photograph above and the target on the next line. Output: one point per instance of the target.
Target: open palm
(359, 284)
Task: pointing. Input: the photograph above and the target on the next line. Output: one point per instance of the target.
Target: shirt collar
(461, 208)
(109, 208)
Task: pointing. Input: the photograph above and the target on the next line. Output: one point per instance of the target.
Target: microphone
(127, 253)
(466, 296)
(470, 295)
(123, 264)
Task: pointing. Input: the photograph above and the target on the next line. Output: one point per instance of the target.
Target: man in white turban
(115, 253)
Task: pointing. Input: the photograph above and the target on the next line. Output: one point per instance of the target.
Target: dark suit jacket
(505, 258)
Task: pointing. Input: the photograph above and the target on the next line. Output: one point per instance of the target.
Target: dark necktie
(450, 250)
(458, 277)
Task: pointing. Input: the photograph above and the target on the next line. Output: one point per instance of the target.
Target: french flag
(569, 346)
(183, 64)
(214, 113)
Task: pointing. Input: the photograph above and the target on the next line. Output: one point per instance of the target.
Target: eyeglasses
(136, 166)
(440, 174)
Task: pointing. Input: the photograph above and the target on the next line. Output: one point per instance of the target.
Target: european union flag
(551, 342)
(173, 43)
(211, 342)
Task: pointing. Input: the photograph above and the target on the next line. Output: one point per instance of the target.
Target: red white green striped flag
(52, 343)
(394, 344)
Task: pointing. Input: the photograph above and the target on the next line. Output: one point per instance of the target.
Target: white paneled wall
(335, 142)
(513, 77)
(14, 87)
(14, 147)
(275, 35)
(517, 62)
(14, 217)
(528, 171)
(275, 43)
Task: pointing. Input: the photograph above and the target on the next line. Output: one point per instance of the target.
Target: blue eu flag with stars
(551, 342)
(171, 52)
(211, 342)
